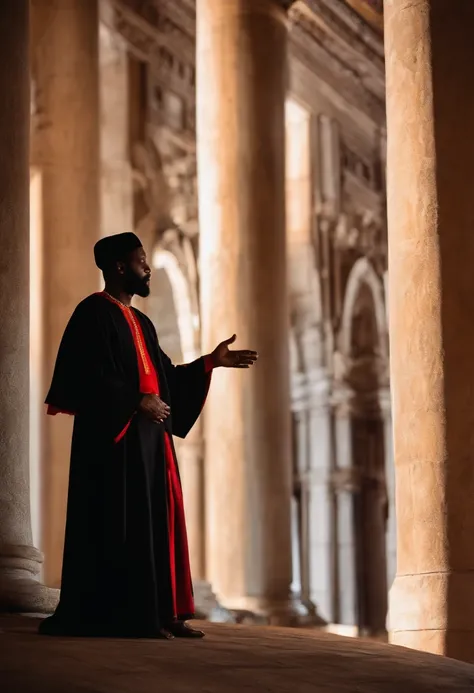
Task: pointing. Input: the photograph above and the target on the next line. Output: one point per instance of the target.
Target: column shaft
(241, 68)
(19, 561)
(430, 111)
(65, 150)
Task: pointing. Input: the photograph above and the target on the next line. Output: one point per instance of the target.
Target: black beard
(142, 290)
(137, 286)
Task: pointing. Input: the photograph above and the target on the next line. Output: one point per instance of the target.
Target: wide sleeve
(188, 386)
(88, 380)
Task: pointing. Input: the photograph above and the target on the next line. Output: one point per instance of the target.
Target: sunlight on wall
(298, 173)
(36, 356)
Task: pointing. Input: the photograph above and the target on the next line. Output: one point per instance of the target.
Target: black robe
(116, 576)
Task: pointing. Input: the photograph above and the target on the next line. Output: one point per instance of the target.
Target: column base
(434, 612)
(291, 612)
(20, 588)
(456, 644)
(207, 605)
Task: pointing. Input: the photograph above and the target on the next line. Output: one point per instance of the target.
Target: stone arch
(363, 344)
(187, 317)
(363, 275)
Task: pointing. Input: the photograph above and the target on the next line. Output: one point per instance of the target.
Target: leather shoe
(180, 629)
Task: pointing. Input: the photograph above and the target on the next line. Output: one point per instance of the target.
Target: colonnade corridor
(330, 488)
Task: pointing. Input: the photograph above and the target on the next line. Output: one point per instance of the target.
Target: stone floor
(231, 658)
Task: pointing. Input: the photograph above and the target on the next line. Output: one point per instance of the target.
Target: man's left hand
(223, 356)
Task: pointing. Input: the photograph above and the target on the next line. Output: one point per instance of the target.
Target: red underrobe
(183, 600)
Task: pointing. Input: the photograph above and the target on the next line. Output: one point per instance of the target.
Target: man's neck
(118, 294)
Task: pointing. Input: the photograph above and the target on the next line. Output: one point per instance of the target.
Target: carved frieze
(341, 53)
(155, 37)
(139, 34)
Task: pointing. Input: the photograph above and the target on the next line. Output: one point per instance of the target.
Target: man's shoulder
(92, 305)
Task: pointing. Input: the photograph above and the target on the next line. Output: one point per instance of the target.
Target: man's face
(137, 274)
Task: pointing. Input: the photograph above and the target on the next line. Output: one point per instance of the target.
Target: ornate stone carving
(150, 190)
(353, 162)
(180, 172)
(325, 38)
(165, 182)
(361, 231)
(139, 35)
(148, 26)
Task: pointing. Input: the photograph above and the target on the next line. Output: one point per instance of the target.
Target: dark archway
(370, 505)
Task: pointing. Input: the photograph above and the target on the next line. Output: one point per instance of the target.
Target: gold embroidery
(141, 347)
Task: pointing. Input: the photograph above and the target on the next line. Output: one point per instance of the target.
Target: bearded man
(126, 566)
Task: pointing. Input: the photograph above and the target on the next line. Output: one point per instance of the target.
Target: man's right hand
(154, 408)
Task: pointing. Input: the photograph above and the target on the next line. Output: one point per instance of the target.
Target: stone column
(319, 490)
(116, 170)
(430, 111)
(241, 71)
(65, 151)
(20, 563)
(345, 484)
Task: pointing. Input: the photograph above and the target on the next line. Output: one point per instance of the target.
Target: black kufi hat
(115, 248)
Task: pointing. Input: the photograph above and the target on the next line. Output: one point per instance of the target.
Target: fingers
(231, 340)
(243, 363)
(247, 358)
(253, 355)
(162, 411)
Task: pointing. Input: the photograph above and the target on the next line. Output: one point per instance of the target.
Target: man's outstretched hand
(223, 356)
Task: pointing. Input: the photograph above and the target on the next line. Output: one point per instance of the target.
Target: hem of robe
(56, 626)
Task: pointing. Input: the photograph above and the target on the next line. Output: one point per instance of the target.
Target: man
(126, 565)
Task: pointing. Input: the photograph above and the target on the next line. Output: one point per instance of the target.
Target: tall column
(345, 483)
(65, 151)
(20, 562)
(116, 170)
(319, 489)
(430, 111)
(242, 70)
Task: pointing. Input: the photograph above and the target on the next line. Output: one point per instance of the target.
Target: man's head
(123, 263)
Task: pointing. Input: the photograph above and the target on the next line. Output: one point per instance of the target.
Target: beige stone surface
(65, 150)
(230, 658)
(19, 561)
(241, 87)
(116, 179)
(430, 108)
